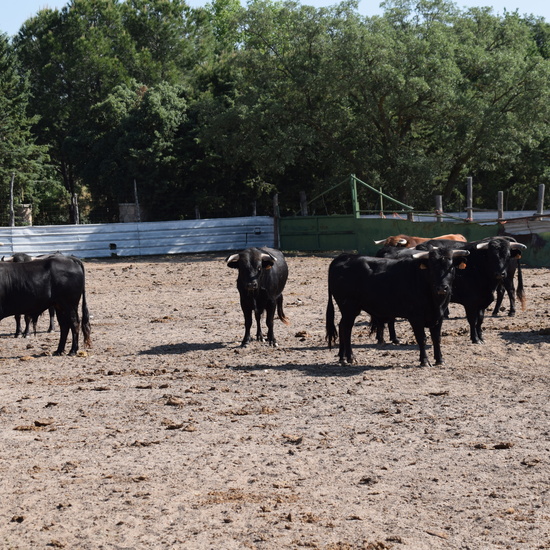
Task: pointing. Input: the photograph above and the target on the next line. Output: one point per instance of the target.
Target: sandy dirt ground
(166, 434)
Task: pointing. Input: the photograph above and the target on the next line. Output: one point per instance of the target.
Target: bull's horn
(516, 246)
(423, 254)
(482, 246)
(380, 242)
(266, 257)
(232, 258)
(461, 253)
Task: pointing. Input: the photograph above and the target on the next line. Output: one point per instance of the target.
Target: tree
(412, 101)
(20, 157)
(73, 58)
(134, 135)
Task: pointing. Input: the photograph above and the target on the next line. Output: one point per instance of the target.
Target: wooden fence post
(439, 207)
(136, 200)
(500, 205)
(12, 211)
(276, 220)
(540, 200)
(469, 200)
(303, 203)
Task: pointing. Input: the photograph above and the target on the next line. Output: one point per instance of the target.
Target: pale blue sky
(16, 12)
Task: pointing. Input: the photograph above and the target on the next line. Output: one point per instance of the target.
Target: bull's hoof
(58, 353)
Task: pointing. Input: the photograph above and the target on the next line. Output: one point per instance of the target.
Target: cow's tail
(331, 332)
(519, 290)
(85, 321)
(280, 311)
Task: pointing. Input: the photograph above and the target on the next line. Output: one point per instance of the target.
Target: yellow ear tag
(462, 265)
(423, 266)
(268, 266)
(518, 256)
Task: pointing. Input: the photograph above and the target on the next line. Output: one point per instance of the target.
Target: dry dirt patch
(166, 434)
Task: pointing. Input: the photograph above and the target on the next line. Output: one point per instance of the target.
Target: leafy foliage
(216, 109)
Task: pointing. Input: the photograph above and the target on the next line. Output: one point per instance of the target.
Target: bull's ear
(267, 261)
(459, 258)
(232, 261)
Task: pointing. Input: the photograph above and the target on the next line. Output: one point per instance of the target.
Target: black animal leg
(247, 312)
(17, 326)
(344, 331)
(435, 333)
(259, 334)
(420, 337)
(270, 316)
(472, 316)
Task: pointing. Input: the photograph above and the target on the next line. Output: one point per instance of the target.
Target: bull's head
(441, 262)
(250, 264)
(500, 252)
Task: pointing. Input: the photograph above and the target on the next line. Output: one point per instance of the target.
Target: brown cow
(410, 242)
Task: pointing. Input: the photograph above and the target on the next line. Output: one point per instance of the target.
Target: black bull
(488, 268)
(22, 257)
(29, 288)
(263, 273)
(417, 288)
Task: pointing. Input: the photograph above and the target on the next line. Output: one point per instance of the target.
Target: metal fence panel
(139, 239)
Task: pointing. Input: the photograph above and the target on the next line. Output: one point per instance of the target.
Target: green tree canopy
(20, 157)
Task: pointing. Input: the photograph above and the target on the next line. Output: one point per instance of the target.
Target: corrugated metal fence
(140, 239)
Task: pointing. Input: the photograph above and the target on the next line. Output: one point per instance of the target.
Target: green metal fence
(356, 233)
(348, 233)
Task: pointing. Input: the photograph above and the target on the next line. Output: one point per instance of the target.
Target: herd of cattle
(410, 277)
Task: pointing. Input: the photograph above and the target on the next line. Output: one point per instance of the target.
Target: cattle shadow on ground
(183, 347)
(366, 346)
(323, 370)
(526, 336)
